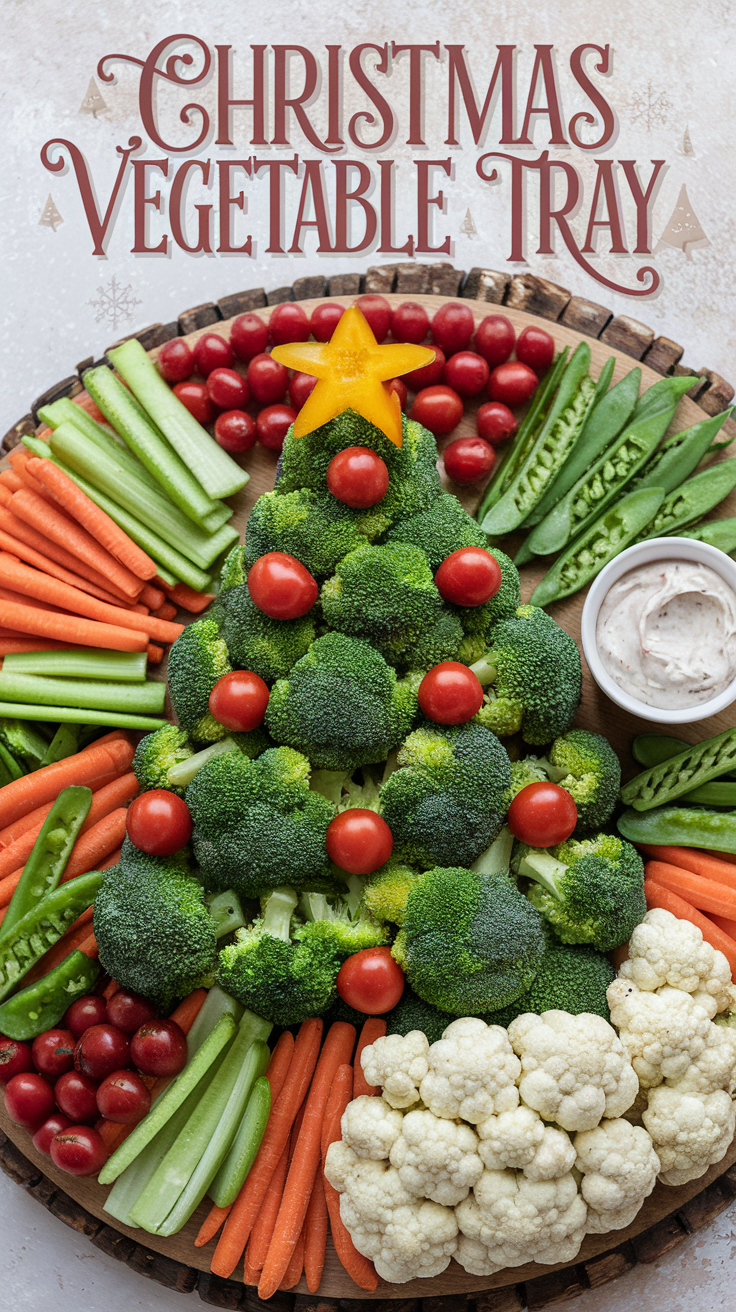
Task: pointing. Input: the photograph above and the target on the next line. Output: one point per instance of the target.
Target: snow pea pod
(667, 392)
(653, 748)
(680, 455)
(618, 526)
(693, 499)
(681, 826)
(697, 765)
(42, 1005)
(51, 851)
(720, 533)
(43, 926)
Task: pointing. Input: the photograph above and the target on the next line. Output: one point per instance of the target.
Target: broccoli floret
(532, 675)
(257, 824)
(233, 573)
(24, 742)
(341, 705)
(528, 771)
(332, 921)
(155, 755)
(571, 979)
(411, 1013)
(311, 525)
(256, 642)
(438, 531)
(447, 800)
(197, 660)
(587, 766)
(442, 641)
(590, 890)
(470, 943)
(386, 891)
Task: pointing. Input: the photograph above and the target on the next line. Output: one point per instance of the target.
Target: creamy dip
(666, 634)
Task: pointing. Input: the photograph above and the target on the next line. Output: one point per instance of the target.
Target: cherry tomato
(273, 424)
(428, 375)
(227, 389)
(468, 577)
(494, 339)
(300, 387)
(159, 822)
(452, 327)
(468, 459)
(377, 311)
(76, 1095)
(79, 1150)
(102, 1049)
(513, 383)
(176, 361)
(128, 1011)
(53, 1052)
(267, 379)
(466, 372)
(325, 318)
(29, 1100)
(409, 322)
(15, 1059)
(159, 1048)
(123, 1098)
(359, 841)
(450, 693)
(536, 348)
(239, 700)
(495, 423)
(437, 408)
(54, 1125)
(542, 814)
(235, 431)
(370, 981)
(212, 352)
(288, 323)
(194, 396)
(281, 587)
(85, 1012)
(398, 386)
(358, 477)
(248, 336)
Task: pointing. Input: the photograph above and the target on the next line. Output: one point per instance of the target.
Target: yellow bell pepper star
(353, 373)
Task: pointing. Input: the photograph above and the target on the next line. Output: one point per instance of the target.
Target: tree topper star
(353, 373)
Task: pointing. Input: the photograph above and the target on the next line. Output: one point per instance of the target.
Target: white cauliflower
(665, 950)
(473, 1257)
(472, 1072)
(436, 1158)
(370, 1126)
(520, 1140)
(574, 1069)
(519, 1220)
(715, 1068)
(619, 1168)
(663, 1032)
(690, 1131)
(398, 1063)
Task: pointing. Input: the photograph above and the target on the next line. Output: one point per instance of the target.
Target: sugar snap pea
(716, 793)
(679, 456)
(653, 748)
(692, 499)
(604, 379)
(681, 826)
(42, 1005)
(43, 926)
(605, 538)
(698, 764)
(720, 533)
(51, 851)
(667, 392)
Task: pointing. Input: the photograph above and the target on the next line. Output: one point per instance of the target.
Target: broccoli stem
(352, 897)
(278, 908)
(226, 912)
(485, 670)
(555, 773)
(496, 858)
(543, 869)
(183, 772)
(329, 783)
(391, 764)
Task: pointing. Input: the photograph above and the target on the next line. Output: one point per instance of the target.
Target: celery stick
(242, 1152)
(65, 411)
(166, 576)
(134, 698)
(123, 666)
(77, 715)
(209, 463)
(132, 1181)
(217, 1003)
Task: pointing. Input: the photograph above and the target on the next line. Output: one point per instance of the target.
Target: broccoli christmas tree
(683, 230)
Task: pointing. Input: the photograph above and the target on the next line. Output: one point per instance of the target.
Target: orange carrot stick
(360, 1270)
(278, 1066)
(698, 863)
(165, 612)
(23, 532)
(112, 860)
(70, 628)
(110, 990)
(75, 936)
(251, 1274)
(155, 654)
(106, 799)
(89, 947)
(728, 926)
(185, 597)
(705, 894)
(10, 480)
(16, 646)
(188, 1010)
(97, 844)
(85, 402)
(262, 1232)
(32, 557)
(152, 597)
(293, 1272)
(54, 524)
(315, 1230)
(335, 1104)
(22, 795)
(372, 1029)
(658, 896)
(211, 1225)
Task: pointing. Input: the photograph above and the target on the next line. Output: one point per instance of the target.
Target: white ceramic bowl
(644, 553)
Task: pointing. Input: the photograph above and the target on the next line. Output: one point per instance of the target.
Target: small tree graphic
(683, 230)
(50, 216)
(467, 226)
(93, 102)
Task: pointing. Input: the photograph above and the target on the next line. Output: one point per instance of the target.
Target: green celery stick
(217, 1003)
(135, 698)
(78, 715)
(122, 666)
(232, 1174)
(105, 438)
(132, 1181)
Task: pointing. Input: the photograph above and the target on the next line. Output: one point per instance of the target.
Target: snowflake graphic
(650, 107)
(115, 304)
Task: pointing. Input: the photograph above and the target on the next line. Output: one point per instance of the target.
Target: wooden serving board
(668, 1214)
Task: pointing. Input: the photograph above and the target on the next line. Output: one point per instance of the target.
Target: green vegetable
(197, 659)
(589, 890)
(693, 499)
(92, 694)
(699, 763)
(681, 826)
(77, 715)
(182, 772)
(157, 753)
(42, 926)
(439, 530)
(232, 1174)
(715, 794)
(720, 533)
(122, 666)
(586, 765)
(531, 676)
(412, 1013)
(572, 979)
(40, 1006)
(67, 740)
(65, 412)
(653, 748)
(51, 851)
(311, 525)
(386, 891)
(22, 743)
(679, 456)
(256, 642)
(661, 396)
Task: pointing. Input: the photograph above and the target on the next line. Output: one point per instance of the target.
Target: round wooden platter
(667, 1216)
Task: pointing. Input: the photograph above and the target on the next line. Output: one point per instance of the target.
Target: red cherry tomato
(267, 379)
(281, 587)
(325, 318)
(235, 431)
(494, 339)
(513, 383)
(176, 361)
(85, 1012)
(43, 1136)
(76, 1095)
(409, 322)
(300, 387)
(227, 389)
(194, 396)
(29, 1100)
(428, 375)
(159, 822)
(123, 1098)
(15, 1059)
(248, 336)
(239, 700)
(159, 1048)
(102, 1049)
(53, 1052)
(536, 348)
(468, 460)
(359, 841)
(273, 424)
(398, 386)
(288, 323)
(128, 1011)
(450, 693)
(495, 423)
(466, 372)
(377, 311)
(452, 327)
(358, 477)
(370, 981)
(542, 814)
(437, 408)
(468, 577)
(79, 1150)
(212, 352)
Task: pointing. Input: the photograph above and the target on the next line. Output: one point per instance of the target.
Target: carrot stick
(22, 795)
(32, 557)
(358, 1267)
(698, 863)
(152, 597)
(315, 1230)
(35, 818)
(85, 402)
(335, 1103)
(10, 480)
(19, 458)
(92, 848)
(185, 597)
(248, 1202)
(211, 1225)
(165, 612)
(112, 860)
(54, 524)
(75, 936)
(728, 926)
(263, 1229)
(251, 1274)
(372, 1029)
(293, 1272)
(278, 1066)
(89, 947)
(22, 532)
(705, 894)
(69, 628)
(112, 1133)
(658, 896)
(110, 990)
(155, 654)
(15, 646)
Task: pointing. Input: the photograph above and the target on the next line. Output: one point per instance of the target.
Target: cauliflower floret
(373, 1187)
(418, 1241)
(575, 1069)
(715, 1068)
(436, 1158)
(519, 1220)
(370, 1126)
(398, 1063)
(620, 1169)
(665, 950)
(690, 1131)
(663, 1032)
(340, 1162)
(472, 1072)
(473, 1257)
(520, 1140)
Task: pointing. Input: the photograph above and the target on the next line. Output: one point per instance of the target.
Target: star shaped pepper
(353, 373)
